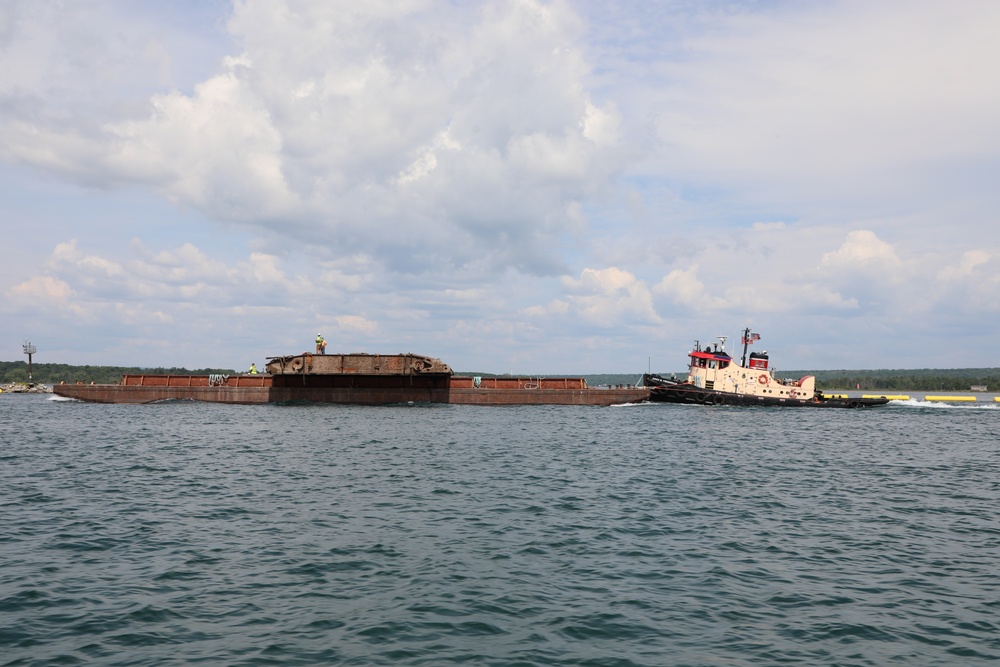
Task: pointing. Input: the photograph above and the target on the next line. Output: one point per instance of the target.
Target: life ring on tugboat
(763, 379)
(792, 393)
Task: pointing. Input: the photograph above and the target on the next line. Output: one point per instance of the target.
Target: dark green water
(654, 535)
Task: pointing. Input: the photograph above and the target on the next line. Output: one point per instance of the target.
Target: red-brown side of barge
(538, 391)
(152, 388)
(353, 389)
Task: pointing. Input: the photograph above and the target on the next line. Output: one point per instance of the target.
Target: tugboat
(714, 378)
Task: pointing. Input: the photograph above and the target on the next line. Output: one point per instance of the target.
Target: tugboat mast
(746, 342)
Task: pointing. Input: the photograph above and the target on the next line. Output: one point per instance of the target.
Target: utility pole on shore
(29, 350)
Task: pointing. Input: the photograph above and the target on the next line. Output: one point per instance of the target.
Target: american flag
(748, 340)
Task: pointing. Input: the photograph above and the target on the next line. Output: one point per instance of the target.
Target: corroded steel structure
(357, 364)
(508, 390)
(153, 388)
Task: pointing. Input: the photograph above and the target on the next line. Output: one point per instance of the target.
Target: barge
(359, 378)
(714, 378)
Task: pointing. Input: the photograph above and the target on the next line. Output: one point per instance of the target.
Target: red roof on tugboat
(703, 354)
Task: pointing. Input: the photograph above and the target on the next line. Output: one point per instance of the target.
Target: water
(186, 533)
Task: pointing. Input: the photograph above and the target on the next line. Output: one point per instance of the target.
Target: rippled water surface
(185, 533)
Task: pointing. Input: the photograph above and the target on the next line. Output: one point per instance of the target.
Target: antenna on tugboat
(748, 339)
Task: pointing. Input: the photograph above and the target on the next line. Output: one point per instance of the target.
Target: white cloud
(602, 125)
(608, 297)
(41, 289)
(216, 150)
(356, 323)
(760, 291)
(967, 265)
(69, 255)
(815, 102)
(862, 250)
(683, 287)
(264, 268)
(555, 307)
(457, 135)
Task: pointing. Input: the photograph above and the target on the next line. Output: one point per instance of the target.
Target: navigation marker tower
(29, 350)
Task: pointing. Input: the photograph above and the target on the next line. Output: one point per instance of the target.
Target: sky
(523, 186)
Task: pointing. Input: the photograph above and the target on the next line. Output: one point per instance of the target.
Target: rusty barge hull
(538, 391)
(248, 389)
(113, 393)
(361, 391)
(359, 379)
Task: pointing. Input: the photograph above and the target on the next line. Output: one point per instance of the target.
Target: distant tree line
(923, 379)
(17, 371)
